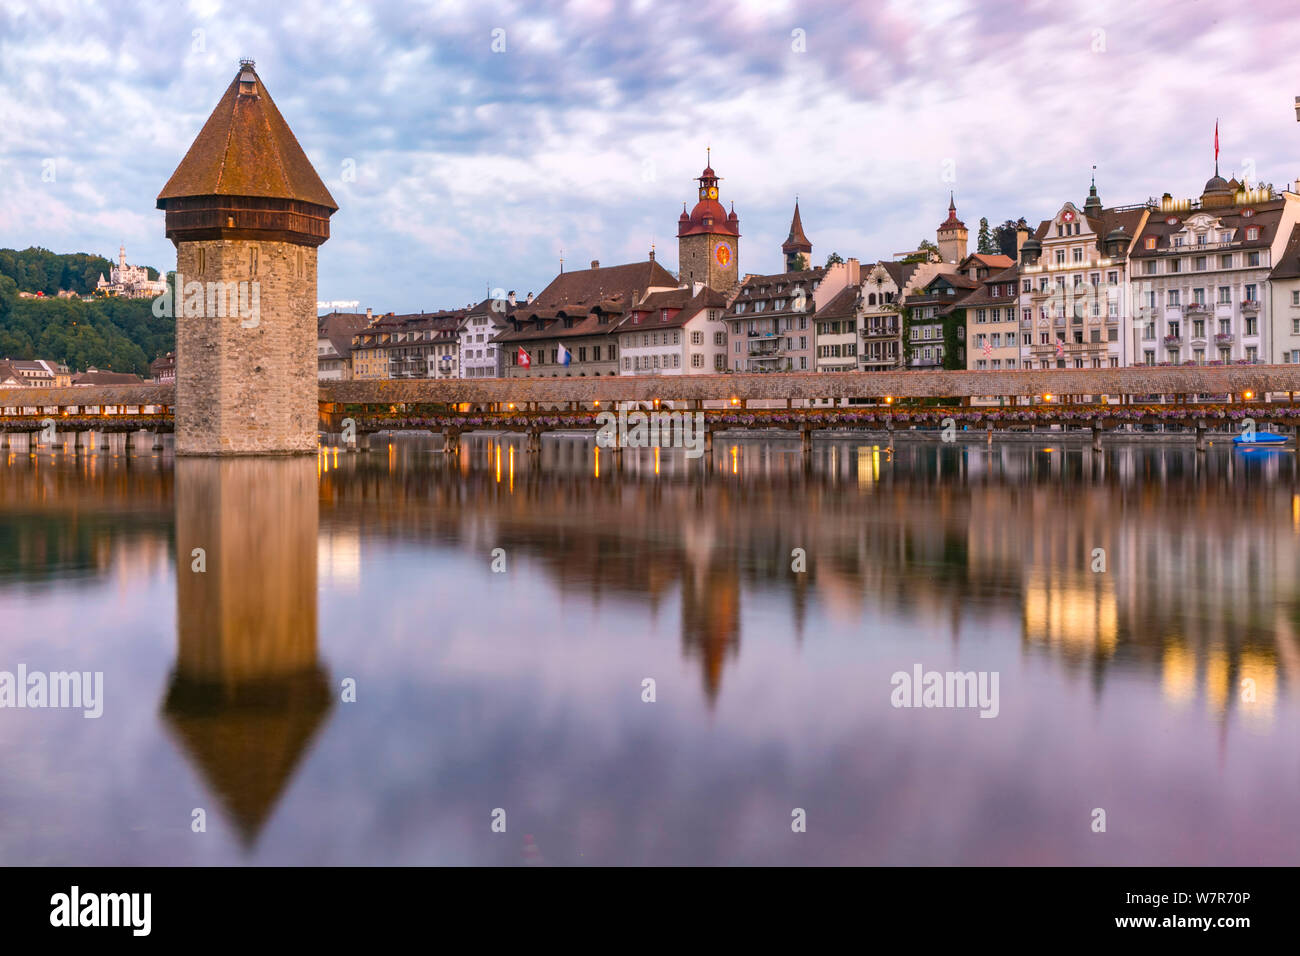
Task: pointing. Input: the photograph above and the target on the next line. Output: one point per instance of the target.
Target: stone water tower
(246, 212)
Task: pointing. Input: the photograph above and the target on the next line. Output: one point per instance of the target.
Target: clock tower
(708, 239)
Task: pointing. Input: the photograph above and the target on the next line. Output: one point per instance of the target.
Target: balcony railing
(1173, 341)
(1195, 308)
(1250, 306)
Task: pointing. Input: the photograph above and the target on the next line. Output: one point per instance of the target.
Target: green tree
(800, 263)
(984, 241)
(926, 251)
(833, 258)
(1004, 238)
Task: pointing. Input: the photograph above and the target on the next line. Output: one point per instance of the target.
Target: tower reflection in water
(247, 693)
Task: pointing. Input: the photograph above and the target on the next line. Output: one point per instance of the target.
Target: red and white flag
(523, 358)
(1216, 146)
(988, 346)
(1060, 347)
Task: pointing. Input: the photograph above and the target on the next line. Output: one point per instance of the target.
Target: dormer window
(663, 315)
(1252, 233)
(1151, 242)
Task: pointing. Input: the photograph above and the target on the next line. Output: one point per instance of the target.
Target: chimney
(510, 296)
(529, 300)
(369, 314)
(1022, 233)
(595, 263)
(697, 288)
(855, 271)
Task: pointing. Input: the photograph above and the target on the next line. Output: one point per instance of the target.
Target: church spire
(796, 243)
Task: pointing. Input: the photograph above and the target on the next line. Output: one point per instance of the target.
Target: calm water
(1163, 690)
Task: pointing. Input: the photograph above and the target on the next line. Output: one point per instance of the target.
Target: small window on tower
(252, 261)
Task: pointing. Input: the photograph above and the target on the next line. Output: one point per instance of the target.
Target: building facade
(1201, 273)
(680, 332)
(1075, 298)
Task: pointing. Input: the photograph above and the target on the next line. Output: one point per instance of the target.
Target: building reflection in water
(247, 693)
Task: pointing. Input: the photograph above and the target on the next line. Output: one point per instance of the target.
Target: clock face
(713, 192)
(722, 255)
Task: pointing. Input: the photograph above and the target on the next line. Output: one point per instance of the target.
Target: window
(1225, 293)
(1225, 262)
(1151, 242)
(1252, 233)
(1078, 254)
(1295, 298)
(720, 338)
(1200, 263)
(1252, 258)
(1174, 297)
(1175, 265)
(1151, 268)
(1060, 257)
(697, 338)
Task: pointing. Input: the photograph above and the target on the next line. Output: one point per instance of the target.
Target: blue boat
(1261, 438)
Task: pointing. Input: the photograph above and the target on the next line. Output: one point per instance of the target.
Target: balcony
(1196, 308)
(1224, 338)
(1172, 341)
(1250, 307)
(765, 347)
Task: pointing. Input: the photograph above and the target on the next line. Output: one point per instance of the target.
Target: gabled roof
(339, 327)
(1288, 264)
(95, 377)
(1267, 215)
(247, 149)
(843, 305)
(687, 307)
(592, 286)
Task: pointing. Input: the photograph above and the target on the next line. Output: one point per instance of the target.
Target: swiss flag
(523, 359)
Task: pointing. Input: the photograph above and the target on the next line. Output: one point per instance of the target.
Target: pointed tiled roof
(952, 222)
(796, 241)
(247, 149)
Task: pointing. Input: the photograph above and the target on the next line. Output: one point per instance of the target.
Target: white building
(132, 282)
(1200, 277)
(675, 332)
(480, 357)
(1074, 287)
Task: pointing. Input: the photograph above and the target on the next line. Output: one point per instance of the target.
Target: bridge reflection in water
(523, 689)
(248, 693)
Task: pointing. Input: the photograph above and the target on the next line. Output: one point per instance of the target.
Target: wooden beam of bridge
(1137, 380)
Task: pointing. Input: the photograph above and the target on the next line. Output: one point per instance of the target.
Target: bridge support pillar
(806, 444)
(451, 441)
(157, 441)
(131, 438)
(533, 446)
(1200, 436)
(78, 443)
(6, 440)
(889, 427)
(1096, 436)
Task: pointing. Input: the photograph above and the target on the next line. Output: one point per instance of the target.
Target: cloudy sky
(581, 131)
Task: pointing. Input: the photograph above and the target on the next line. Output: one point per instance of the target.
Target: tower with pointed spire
(1092, 205)
(708, 238)
(796, 244)
(247, 213)
(952, 235)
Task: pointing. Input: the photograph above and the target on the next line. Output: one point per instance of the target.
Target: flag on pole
(1216, 146)
(523, 358)
(988, 347)
(1060, 346)
(563, 355)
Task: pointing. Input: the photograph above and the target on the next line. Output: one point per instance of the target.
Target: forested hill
(118, 334)
(39, 270)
